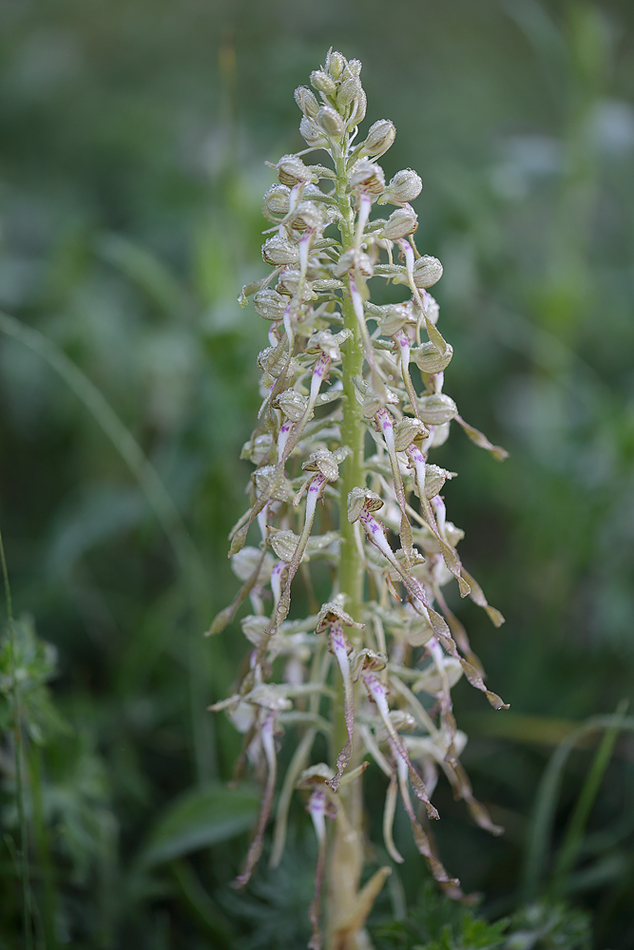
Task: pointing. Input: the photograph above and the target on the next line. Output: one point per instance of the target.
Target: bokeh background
(133, 136)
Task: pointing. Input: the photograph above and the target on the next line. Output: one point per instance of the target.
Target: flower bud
(278, 250)
(367, 176)
(315, 775)
(269, 304)
(430, 359)
(439, 435)
(322, 82)
(330, 121)
(273, 361)
(258, 449)
(245, 562)
(405, 186)
(292, 404)
(329, 344)
(436, 408)
(291, 170)
(254, 627)
(400, 223)
(427, 271)
(354, 260)
(453, 534)
(395, 317)
(360, 499)
(323, 462)
(276, 202)
(435, 478)
(349, 90)
(270, 482)
(330, 613)
(353, 68)
(379, 138)
(312, 134)
(418, 631)
(270, 696)
(335, 63)
(358, 110)
(289, 283)
(307, 217)
(307, 101)
(406, 431)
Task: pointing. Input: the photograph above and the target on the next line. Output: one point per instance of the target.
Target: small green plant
(343, 480)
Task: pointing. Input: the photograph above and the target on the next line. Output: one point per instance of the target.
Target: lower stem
(346, 852)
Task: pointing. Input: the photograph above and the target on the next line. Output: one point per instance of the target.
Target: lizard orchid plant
(353, 407)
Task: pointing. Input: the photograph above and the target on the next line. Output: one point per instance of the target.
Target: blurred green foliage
(132, 141)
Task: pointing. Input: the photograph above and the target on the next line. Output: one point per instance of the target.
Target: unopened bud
(395, 317)
(276, 202)
(254, 627)
(406, 431)
(292, 403)
(353, 260)
(269, 304)
(358, 110)
(405, 186)
(244, 563)
(323, 462)
(427, 271)
(258, 449)
(330, 121)
(353, 68)
(291, 170)
(430, 359)
(312, 134)
(307, 217)
(307, 101)
(367, 176)
(271, 482)
(322, 82)
(400, 223)
(335, 63)
(278, 250)
(436, 409)
(290, 282)
(349, 90)
(379, 138)
(360, 499)
(435, 478)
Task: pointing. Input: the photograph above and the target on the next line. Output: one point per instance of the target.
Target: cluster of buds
(353, 405)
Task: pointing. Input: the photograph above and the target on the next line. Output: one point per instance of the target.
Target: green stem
(346, 860)
(27, 899)
(353, 428)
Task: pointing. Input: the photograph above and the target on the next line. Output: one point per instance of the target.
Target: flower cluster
(353, 405)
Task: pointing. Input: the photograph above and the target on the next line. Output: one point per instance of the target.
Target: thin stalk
(346, 860)
(25, 878)
(42, 848)
(540, 836)
(579, 819)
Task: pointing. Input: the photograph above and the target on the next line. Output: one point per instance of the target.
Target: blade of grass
(42, 847)
(203, 910)
(569, 850)
(167, 514)
(24, 871)
(546, 800)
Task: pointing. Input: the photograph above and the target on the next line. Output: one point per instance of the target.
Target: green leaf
(199, 818)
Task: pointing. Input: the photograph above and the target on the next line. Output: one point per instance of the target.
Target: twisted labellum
(352, 408)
